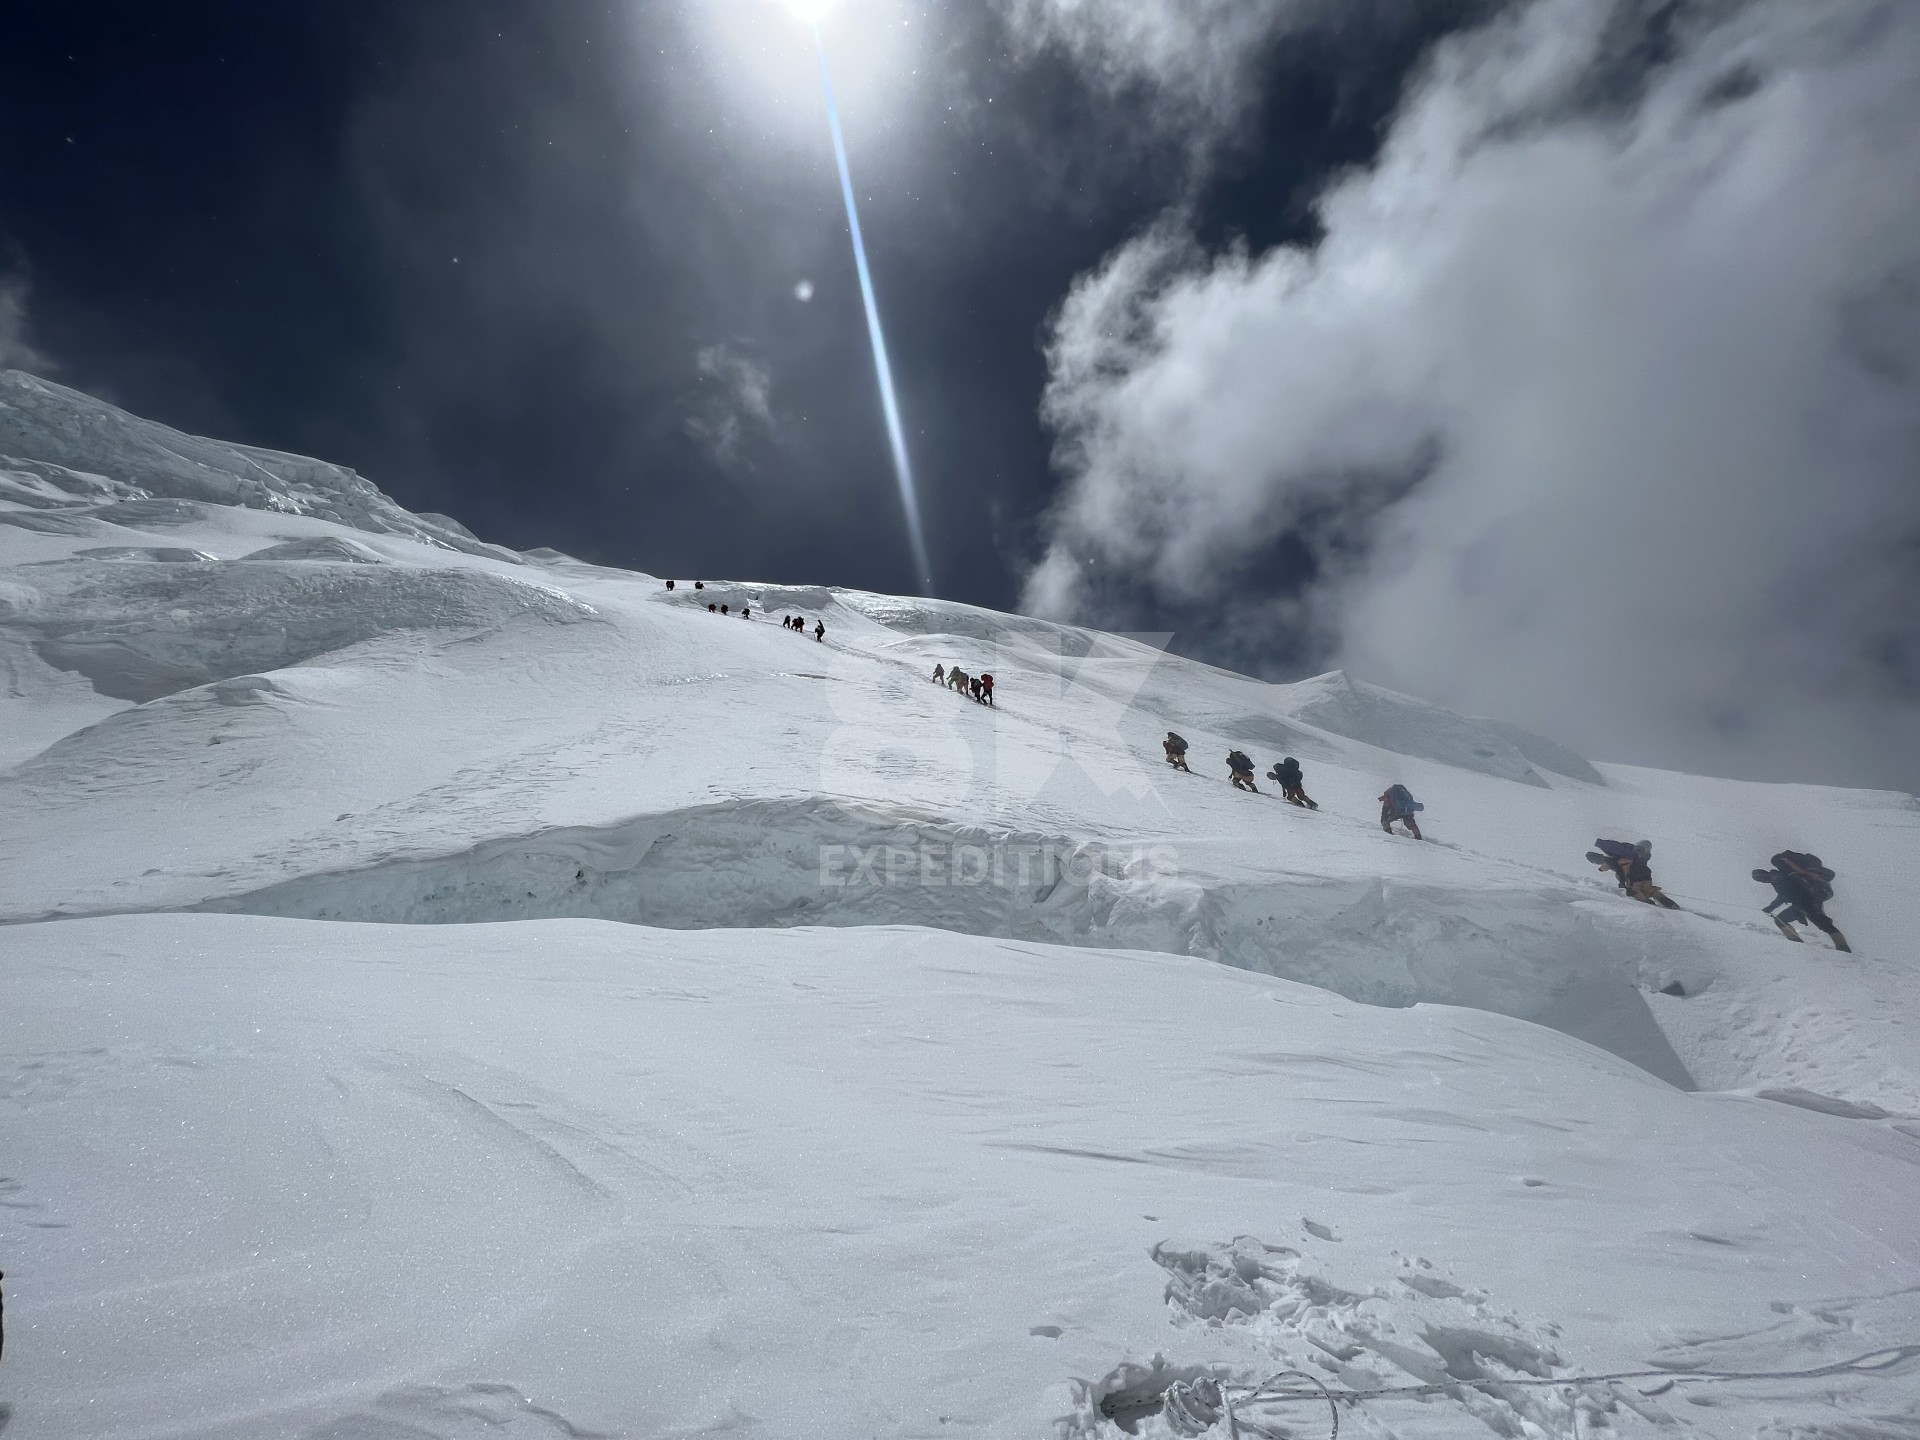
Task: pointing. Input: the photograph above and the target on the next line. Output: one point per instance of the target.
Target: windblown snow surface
(452, 993)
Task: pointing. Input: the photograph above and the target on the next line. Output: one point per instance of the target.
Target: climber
(1288, 777)
(986, 689)
(973, 687)
(712, 609)
(726, 610)
(957, 679)
(939, 673)
(746, 612)
(1176, 749)
(669, 584)
(1240, 768)
(1627, 863)
(1803, 886)
(1397, 803)
(819, 631)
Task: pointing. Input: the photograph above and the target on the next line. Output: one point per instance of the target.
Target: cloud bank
(1199, 56)
(1597, 406)
(735, 406)
(17, 351)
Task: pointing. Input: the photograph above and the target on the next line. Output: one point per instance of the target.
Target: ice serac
(65, 454)
(138, 631)
(972, 622)
(1338, 703)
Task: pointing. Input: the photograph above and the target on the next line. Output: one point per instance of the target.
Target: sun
(811, 11)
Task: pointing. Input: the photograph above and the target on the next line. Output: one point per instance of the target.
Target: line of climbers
(1802, 885)
(976, 687)
(790, 622)
(1396, 805)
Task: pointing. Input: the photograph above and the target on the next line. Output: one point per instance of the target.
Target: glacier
(456, 992)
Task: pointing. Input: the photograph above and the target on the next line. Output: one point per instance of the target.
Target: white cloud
(17, 352)
(1197, 55)
(1650, 347)
(735, 402)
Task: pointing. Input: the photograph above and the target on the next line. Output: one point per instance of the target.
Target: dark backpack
(1239, 763)
(1289, 771)
(1176, 744)
(1808, 870)
(1616, 849)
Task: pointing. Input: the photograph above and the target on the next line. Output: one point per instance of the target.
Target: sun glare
(811, 11)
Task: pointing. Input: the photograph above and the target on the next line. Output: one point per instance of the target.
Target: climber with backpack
(1176, 751)
(986, 690)
(939, 673)
(1626, 861)
(1240, 768)
(1397, 803)
(1288, 777)
(1802, 885)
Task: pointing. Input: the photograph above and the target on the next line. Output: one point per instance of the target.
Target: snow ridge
(73, 459)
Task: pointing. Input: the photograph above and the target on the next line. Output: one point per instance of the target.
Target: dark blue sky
(515, 260)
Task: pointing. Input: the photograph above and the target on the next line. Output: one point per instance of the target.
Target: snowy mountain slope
(369, 722)
(586, 1179)
(438, 737)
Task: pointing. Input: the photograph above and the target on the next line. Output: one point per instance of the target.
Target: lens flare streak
(896, 433)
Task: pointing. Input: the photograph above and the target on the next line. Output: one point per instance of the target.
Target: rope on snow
(1193, 1407)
